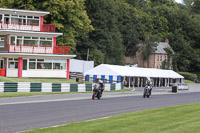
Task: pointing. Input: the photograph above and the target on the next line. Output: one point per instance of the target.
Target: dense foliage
(110, 29)
(188, 75)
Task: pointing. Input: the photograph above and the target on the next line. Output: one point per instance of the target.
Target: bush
(198, 74)
(188, 75)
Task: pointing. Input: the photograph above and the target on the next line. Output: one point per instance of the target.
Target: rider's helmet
(148, 82)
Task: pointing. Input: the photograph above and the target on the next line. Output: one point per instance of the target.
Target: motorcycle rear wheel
(93, 96)
(144, 95)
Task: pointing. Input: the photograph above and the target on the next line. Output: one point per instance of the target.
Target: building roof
(160, 48)
(37, 56)
(115, 70)
(30, 33)
(23, 12)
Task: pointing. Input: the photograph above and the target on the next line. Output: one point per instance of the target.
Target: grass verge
(39, 80)
(175, 119)
(188, 81)
(24, 94)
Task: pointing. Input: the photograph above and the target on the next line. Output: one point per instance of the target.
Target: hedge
(188, 75)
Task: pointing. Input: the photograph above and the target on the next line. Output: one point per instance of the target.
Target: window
(161, 58)
(39, 41)
(19, 41)
(32, 63)
(61, 66)
(165, 57)
(47, 64)
(31, 42)
(12, 63)
(12, 40)
(1, 63)
(46, 43)
(1, 41)
(158, 58)
(35, 38)
(0, 17)
(27, 37)
(42, 64)
(33, 22)
(56, 66)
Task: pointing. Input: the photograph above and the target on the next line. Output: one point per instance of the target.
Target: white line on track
(76, 98)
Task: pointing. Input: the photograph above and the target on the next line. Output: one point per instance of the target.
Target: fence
(181, 86)
(52, 87)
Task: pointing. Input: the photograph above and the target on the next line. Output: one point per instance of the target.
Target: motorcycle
(147, 91)
(97, 92)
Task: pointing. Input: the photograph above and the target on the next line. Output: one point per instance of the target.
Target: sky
(179, 1)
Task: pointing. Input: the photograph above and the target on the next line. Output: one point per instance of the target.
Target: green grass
(188, 81)
(39, 80)
(175, 119)
(24, 94)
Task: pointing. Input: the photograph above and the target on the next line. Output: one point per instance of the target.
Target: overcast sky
(179, 1)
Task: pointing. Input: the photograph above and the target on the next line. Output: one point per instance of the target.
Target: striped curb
(52, 87)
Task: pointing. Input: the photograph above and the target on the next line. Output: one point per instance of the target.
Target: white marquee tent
(116, 70)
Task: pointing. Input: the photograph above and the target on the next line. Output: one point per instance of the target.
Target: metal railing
(41, 49)
(61, 49)
(48, 28)
(27, 26)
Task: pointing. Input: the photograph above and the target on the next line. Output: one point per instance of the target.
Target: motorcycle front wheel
(98, 95)
(144, 94)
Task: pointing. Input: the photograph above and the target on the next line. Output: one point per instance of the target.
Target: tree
(106, 37)
(167, 63)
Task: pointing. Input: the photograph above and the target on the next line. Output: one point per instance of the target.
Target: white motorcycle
(147, 91)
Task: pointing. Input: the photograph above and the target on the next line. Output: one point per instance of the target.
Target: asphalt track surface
(17, 115)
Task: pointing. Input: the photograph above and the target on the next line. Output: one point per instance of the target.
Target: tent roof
(105, 69)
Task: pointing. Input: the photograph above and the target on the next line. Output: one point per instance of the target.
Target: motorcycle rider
(148, 83)
(101, 86)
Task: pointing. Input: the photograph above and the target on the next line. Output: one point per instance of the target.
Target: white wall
(47, 73)
(11, 72)
(38, 73)
(80, 65)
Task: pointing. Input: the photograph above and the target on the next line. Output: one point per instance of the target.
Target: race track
(21, 116)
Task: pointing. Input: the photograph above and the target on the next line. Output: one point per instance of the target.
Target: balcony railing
(40, 49)
(27, 26)
(48, 28)
(61, 50)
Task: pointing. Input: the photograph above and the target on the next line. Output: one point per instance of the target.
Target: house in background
(28, 47)
(156, 59)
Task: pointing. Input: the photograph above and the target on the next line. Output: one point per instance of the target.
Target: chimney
(167, 40)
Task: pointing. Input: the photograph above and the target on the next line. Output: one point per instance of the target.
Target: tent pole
(129, 86)
(168, 83)
(159, 83)
(138, 82)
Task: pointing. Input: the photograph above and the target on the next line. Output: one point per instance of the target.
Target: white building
(28, 47)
